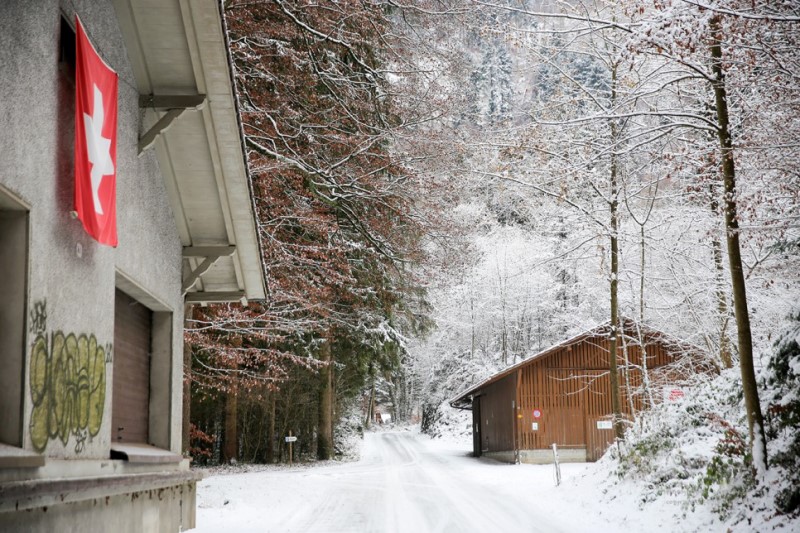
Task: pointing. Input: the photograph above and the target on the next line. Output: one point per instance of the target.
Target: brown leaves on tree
(334, 205)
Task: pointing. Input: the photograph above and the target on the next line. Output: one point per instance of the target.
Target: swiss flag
(95, 141)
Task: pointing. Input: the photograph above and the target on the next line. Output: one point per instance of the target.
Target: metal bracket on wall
(210, 254)
(174, 105)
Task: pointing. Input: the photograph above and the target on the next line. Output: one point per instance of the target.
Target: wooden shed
(562, 395)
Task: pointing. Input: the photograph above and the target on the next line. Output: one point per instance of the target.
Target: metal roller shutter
(131, 385)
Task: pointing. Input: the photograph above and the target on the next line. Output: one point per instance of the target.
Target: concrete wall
(161, 509)
(71, 281)
(71, 277)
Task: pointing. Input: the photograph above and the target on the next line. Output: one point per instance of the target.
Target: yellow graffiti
(68, 389)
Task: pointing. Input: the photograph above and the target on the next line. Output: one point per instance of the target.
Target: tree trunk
(504, 335)
(325, 435)
(628, 388)
(641, 277)
(755, 419)
(271, 432)
(616, 405)
(613, 339)
(219, 415)
(648, 395)
(187, 384)
(371, 401)
(725, 357)
(472, 316)
(230, 446)
(648, 391)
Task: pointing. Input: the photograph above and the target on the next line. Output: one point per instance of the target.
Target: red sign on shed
(537, 413)
(673, 395)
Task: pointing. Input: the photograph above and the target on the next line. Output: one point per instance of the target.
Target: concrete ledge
(143, 453)
(540, 457)
(545, 457)
(165, 510)
(13, 457)
(503, 457)
(21, 495)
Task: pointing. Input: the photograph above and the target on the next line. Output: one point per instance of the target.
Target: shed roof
(180, 58)
(464, 399)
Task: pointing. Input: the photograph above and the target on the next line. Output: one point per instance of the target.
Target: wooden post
(556, 464)
(290, 448)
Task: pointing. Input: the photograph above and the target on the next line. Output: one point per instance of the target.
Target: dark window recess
(13, 290)
(66, 49)
(131, 384)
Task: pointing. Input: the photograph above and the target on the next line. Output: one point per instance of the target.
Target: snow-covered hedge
(783, 414)
(695, 450)
(348, 433)
(444, 421)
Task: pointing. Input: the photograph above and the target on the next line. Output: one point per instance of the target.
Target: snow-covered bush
(783, 415)
(696, 450)
(443, 420)
(449, 376)
(693, 449)
(349, 432)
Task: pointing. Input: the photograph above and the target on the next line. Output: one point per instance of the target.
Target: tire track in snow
(449, 502)
(399, 486)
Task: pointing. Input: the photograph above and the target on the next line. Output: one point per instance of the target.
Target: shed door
(131, 385)
(476, 426)
(598, 440)
(569, 427)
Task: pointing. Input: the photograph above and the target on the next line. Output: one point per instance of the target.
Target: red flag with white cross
(95, 141)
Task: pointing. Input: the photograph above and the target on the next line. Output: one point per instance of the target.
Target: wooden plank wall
(571, 390)
(497, 415)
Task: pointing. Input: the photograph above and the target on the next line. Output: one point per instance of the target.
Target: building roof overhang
(181, 62)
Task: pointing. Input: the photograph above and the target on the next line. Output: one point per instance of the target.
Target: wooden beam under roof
(174, 105)
(210, 254)
(214, 297)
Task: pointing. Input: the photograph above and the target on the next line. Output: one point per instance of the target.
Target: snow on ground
(406, 482)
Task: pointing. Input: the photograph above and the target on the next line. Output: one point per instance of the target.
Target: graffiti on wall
(67, 383)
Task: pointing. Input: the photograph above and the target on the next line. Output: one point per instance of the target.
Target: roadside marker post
(290, 440)
(556, 464)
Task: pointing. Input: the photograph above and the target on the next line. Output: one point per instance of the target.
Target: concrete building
(91, 337)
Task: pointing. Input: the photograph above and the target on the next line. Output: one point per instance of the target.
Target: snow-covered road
(404, 482)
(400, 485)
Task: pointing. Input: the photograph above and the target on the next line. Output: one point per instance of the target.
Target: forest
(444, 188)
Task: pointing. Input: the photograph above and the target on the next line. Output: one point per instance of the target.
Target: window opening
(13, 290)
